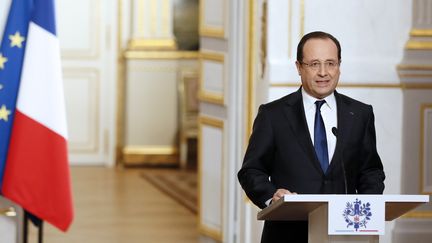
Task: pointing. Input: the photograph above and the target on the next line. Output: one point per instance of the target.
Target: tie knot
(319, 103)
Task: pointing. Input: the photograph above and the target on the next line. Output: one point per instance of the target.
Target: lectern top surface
(328, 197)
(298, 207)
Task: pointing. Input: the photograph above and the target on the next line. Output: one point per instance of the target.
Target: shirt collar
(309, 101)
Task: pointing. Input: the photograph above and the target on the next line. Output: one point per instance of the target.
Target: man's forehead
(320, 48)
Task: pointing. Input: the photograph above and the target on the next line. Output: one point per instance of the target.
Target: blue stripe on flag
(43, 15)
(11, 60)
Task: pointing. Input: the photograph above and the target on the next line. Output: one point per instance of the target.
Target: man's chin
(322, 93)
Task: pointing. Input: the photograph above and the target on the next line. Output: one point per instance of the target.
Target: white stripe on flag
(41, 90)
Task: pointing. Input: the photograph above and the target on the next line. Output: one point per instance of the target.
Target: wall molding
(421, 32)
(425, 126)
(418, 45)
(216, 234)
(359, 85)
(205, 29)
(92, 76)
(152, 44)
(93, 51)
(174, 55)
(207, 95)
(143, 154)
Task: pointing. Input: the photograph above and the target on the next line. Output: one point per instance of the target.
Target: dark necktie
(320, 138)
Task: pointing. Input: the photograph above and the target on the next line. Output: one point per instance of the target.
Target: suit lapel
(294, 112)
(345, 116)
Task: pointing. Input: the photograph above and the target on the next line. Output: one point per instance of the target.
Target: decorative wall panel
(212, 79)
(213, 17)
(82, 110)
(79, 28)
(426, 149)
(151, 111)
(211, 167)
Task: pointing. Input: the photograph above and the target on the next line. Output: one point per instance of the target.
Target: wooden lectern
(342, 218)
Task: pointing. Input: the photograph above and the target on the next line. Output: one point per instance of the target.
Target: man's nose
(322, 71)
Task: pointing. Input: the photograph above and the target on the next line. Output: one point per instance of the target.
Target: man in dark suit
(312, 141)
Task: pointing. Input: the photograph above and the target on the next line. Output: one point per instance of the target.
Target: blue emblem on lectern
(357, 214)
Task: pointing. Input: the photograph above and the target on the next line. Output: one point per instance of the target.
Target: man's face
(319, 74)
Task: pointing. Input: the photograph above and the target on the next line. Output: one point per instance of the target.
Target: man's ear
(298, 67)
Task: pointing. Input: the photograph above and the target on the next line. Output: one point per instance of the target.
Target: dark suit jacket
(281, 155)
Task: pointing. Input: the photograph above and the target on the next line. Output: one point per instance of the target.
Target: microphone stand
(335, 133)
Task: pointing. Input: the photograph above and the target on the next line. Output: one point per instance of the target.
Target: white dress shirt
(329, 115)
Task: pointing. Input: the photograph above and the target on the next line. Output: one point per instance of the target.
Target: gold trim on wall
(121, 76)
(358, 85)
(415, 75)
(212, 233)
(211, 121)
(421, 33)
(210, 97)
(417, 86)
(217, 57)
(205, 95)
(262, 41)
(415, 71)
(161, 54)
(413, 67)
(143, 154)
(353, 85)
(250, 99)
(152, 44)
(209, 31)
(423, 108)
(418, 45)
(143, 149)
(374, 86)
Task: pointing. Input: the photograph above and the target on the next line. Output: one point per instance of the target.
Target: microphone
(335, 133)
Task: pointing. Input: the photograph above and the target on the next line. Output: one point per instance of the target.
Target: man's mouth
(322, 82)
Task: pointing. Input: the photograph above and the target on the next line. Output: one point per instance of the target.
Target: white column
(152, 25)
(415, 72)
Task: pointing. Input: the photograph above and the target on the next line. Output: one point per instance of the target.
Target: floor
(117, 205)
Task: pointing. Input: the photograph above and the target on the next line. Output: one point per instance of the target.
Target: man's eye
(315, 64)
(331, 64)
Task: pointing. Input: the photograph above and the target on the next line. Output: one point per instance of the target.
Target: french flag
(34, 168)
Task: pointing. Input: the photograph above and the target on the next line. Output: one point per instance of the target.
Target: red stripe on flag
(37, 172)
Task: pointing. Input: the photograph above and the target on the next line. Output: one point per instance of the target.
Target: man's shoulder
(344, 99)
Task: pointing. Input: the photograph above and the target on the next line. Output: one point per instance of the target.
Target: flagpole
(25, 228)
(40, 232)
(38, 225)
